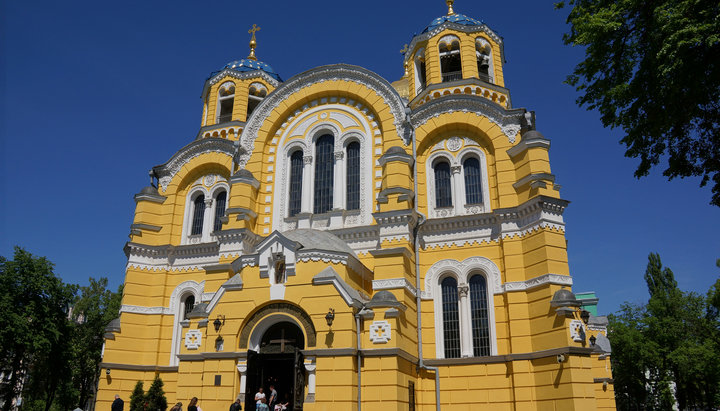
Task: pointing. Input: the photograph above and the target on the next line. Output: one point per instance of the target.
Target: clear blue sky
(95, 93)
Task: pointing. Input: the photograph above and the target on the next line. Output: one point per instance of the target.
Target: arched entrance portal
(278, 361)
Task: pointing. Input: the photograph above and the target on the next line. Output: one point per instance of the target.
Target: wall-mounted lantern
(330, 316)
(219, 322)
(585, 316)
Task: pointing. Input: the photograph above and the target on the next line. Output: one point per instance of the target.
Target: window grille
(220, 201)
(353, 176)
(473, 187)
(479, 316)
(198, 215)
(296, 177)
(189, 305)
(443, 191)
(324, 169)
(451, 319)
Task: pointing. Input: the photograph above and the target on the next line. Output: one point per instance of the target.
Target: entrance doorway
(279, 362)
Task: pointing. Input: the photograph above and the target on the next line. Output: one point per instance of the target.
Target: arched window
(226, 99)
(443, 190)
(220, 202)
(479, 316)
(484, 60)
(324, 172)
(353, 176)
(450, 61)
(198, 215)
(473, 178)
(256, 94)
(296, 178)
(188, 305)
(451, 318)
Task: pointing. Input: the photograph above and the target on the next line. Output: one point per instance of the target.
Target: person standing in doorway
(118, 404)
(259, 396)
(273, 397)
(236, 406)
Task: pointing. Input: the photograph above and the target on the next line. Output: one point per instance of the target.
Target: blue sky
(95, 93)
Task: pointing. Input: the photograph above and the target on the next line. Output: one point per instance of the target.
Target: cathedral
(357, 244)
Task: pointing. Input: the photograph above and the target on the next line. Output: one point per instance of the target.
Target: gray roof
(318, 240)
(243, 173)
(384, 298)
(602, 343)
(564, 298)
(395, 150)
(533, 135)
(149, 190)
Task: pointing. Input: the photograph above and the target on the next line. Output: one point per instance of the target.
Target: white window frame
(462, 271)
(460, 205)
(484, 44)
(221, 98)
(209, 216)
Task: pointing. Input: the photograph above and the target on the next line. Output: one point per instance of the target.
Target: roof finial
(253, 43)
(450, 9)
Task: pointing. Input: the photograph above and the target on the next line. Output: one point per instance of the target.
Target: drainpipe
(359, 359)
(421, 220)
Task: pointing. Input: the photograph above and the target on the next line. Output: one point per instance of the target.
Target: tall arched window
(450, 62)
(451, 318)
(479, 315)
(226, 100)
(220, 202)
(256, 94)
(353, 176)
(443, 189)
(324, 172)
(296, 178)
(188, 306)
(484, 60)
(473, 185)
(420, 71)
(198, 215)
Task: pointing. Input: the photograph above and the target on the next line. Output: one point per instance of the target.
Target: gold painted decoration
(450, 8)
(253, 42)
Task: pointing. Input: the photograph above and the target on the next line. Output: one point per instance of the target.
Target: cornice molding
(509, 121)
(457, 27)
(166, 172)
(344, 72)
(244, 75)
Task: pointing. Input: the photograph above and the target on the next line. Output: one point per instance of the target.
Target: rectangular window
(353, 176)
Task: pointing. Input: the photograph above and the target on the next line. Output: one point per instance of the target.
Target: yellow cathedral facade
(359, 244)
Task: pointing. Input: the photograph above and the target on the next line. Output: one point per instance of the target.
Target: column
(242, 369)
(466, 348)
(458, 201)
(208, 220)
(339, 182)
(307, 195)
(310, 366)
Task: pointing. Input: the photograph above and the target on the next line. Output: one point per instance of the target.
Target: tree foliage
(652, 68)
(666, 351)
(137, 398)
(155, 397)
(51, 336)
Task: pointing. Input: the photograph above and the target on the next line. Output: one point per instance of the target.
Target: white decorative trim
(136, 309)
(509, 121)
(394, 284)
(380, 332)
(555, 279)
(257, 332)
(577, 330)
(240, 76)
(305, 123)
(166, 172)
(342, 72)
(462, 271)
(193, 339)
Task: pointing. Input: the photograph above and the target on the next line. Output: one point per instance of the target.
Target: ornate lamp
(585, 316)
(330, 316)
(219, 322)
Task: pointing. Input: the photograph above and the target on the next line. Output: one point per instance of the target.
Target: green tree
(94, 309)
(137, 398)
(652, 68)
(34, 331)
(667, 350)
(155, 397)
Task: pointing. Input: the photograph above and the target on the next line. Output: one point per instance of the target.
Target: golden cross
(254, 29)
(253, 43)
(404, 49)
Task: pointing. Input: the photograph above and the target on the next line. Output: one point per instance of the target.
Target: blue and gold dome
(244, 65)
(453, 18)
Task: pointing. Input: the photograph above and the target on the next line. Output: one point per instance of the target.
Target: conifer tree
(137, 398)
(155, 397)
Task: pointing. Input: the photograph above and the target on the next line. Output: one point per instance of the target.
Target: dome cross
(253, 42)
